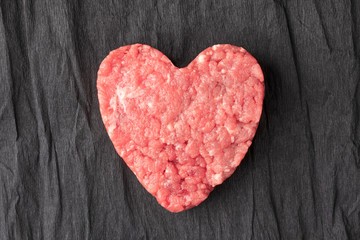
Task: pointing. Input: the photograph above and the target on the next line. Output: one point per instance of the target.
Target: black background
(60, 177)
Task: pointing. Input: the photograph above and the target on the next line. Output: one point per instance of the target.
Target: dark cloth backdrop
(60, 177)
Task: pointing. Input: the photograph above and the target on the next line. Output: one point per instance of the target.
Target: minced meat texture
(182, 131)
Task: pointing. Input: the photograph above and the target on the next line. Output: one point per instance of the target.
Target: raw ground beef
(182, 131)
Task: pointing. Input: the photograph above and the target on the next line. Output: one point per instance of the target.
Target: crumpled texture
(60, 177)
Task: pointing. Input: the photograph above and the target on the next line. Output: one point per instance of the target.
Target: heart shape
(182, 131)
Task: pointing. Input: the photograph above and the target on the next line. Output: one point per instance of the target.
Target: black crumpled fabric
(60, 177)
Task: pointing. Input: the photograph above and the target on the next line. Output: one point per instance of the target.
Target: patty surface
(182, 131)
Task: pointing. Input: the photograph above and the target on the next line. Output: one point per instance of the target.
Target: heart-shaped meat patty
(182, 131)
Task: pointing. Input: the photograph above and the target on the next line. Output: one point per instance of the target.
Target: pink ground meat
(182, 131)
